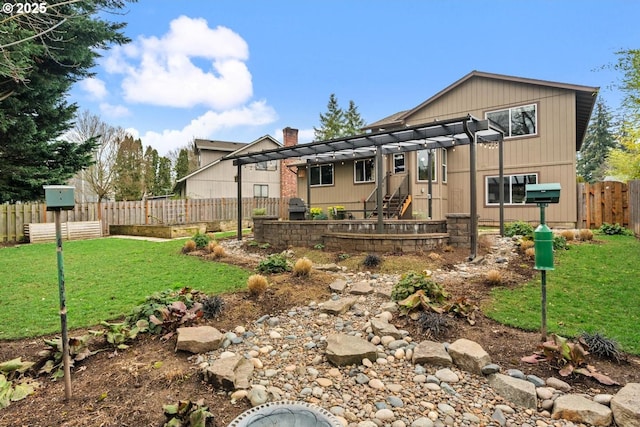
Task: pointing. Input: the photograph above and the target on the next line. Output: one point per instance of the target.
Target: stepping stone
(339, 306)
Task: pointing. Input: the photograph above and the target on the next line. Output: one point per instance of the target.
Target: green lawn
(594, 288)
(105, 279)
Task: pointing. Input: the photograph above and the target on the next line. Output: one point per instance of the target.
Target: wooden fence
(610, 202)
(182, 211)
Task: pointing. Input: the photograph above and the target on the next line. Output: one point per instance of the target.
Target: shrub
(302, 267)
(613, 229)
(276, 263)
(371, 260)
(569, 235)
(412, 282)
(493, 277)
(201, 240)
(559, 243)
(212, 246)
(434, 256)
(257, 284)
(586, 234)
(601, 346)
(259, 211)
(526, 244)
(314, 212)
(530, 252)
(433, 324)
(212, 306)
(189, 246)
(321, 216)
(518, 228)
(219, 252)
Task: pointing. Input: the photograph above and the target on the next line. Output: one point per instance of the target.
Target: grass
(595, 287)
(104, 279)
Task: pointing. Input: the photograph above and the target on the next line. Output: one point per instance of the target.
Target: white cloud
(161, 71)
(96, 88)
(113, 111)
(255, 114)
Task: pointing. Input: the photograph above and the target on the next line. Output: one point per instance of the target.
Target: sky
(236, 70)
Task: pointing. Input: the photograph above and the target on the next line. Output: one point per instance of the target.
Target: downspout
(239, 201)
(473, 209)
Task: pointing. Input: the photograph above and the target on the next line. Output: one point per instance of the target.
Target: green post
(543, 239)
(63, 308)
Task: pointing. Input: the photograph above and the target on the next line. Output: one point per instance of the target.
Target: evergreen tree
(597, 144)
(331, 122)
(353, 122)
(129, 183)
(182, 164)
(36, 74)
(151, 160)
(163, 178)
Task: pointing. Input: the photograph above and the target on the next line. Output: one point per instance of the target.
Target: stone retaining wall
(408, 236)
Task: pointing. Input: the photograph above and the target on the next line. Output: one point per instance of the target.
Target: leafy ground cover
(594, 288)
(105, 279)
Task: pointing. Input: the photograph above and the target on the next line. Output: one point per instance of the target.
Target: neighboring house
(217, 178)
(544, 122)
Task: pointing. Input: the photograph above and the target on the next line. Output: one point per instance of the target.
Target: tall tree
(624, 162)
(336, 123)
(163, 177)
(629, 65)
(129, 183)
(182, 164)
(101, 174)
(151, 160)
(34, 116)
(598, 142)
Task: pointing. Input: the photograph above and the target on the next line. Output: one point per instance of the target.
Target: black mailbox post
(297, 209)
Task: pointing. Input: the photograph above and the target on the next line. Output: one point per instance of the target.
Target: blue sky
(236, 70)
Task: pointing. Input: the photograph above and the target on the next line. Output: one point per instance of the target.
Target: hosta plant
(412, 282)
(186, 413)
(13, 385)
(78, 351)
(175, 315)
(276, 263)
(119, 334)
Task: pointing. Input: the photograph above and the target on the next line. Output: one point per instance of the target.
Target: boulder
(339, 306)
(345, 349)
(626, 406)
(361, 288)
(579, 409)
(431, 353)
(230, 373)
(517, 391)
(199, 339)
(469, 356)
(383, 328)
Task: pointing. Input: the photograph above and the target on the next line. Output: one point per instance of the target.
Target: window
(260, 190)
(269, 165)
(423, 165)
(398, 163)
(364, 171)
(321, 175)
(516, 121)
(514, 188)
(443, 162)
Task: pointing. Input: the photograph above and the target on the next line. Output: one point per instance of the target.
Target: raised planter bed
(163, 231)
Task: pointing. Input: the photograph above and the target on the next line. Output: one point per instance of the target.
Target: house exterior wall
(220, 180)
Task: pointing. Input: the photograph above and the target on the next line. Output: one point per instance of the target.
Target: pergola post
(379, 178)
(239, 201)
(501, 187)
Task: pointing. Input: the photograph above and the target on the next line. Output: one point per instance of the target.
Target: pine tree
(598, 142)
(182, 164)
(331, 122)
(129, 183)
(163, 178)
(151, 160)
(354, 122)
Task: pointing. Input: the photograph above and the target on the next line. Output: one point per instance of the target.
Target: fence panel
(603, 202)
(633, 194)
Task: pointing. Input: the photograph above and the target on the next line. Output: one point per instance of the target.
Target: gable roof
(240, 147)
(585, 101)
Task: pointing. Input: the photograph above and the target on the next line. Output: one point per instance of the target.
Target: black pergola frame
(466, 130)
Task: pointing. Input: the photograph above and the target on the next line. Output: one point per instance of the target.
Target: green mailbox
(542, 193)
(59, 197)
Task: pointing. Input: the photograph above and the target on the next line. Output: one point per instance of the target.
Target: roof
(206, 144)
(585, 101)
(240, 148)
(443, 133)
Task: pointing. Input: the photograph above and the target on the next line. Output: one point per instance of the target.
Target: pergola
(466, 130)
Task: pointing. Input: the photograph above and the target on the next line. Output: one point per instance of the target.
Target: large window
(514, 188)
(269, 165)
(321, 175)
(398, 163)
(260, 190)
(516, 121)
(443, 162)
(423, 165)
(364, 171)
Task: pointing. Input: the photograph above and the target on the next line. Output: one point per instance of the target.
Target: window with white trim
(443, 163)
(398, 163)
(514, 188)
(321, 175)
(516, 121)
(268, 165)
(364, 171)
(260, 190)
(423, 165)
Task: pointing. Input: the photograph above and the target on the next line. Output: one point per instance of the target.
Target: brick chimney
(288, 179)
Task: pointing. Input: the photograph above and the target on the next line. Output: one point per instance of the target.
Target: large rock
(516, 391)
(339, 306)
(382, 328)
(469, 356)
(361, 288)
(579, 409)
(199, 339)
(626, 406)
(230, 373)
(345, 349)
(431, 353)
